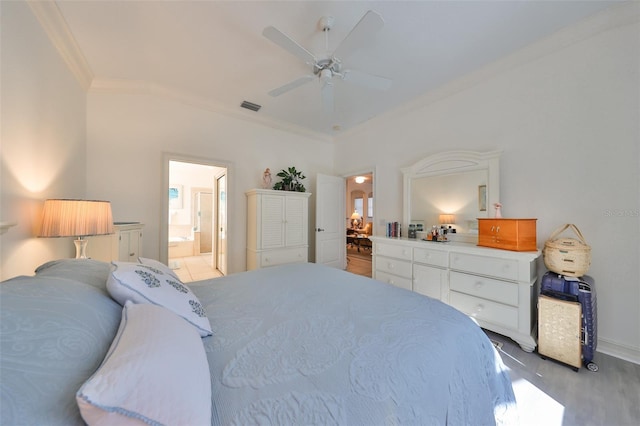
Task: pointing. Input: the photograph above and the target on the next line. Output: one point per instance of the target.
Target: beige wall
(43, 140)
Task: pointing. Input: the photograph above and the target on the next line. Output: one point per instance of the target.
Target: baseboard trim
(618, 350)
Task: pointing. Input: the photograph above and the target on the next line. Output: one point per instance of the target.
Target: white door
(221, 246)
(330, 221)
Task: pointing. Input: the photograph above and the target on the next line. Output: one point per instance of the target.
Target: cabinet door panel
(429, 281)
(272, 221)
(295, 213)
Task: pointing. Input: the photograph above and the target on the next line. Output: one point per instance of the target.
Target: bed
(292, 344)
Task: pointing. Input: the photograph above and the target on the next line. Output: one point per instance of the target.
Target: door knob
(320, 230)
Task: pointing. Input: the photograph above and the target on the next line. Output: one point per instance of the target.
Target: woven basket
(567, 256)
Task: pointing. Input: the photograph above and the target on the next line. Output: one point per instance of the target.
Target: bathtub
(181, 247)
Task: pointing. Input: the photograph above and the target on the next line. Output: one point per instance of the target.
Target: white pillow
(146, 284)
(158, 265)
(155, 372)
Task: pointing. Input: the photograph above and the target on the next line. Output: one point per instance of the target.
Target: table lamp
(355, 219)
(76, 218)
(447, 219)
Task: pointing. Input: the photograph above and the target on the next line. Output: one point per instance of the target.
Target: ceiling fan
(326, 68)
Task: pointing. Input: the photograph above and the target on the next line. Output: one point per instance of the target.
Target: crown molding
(626, 13)
(139, 87)
(52, 21)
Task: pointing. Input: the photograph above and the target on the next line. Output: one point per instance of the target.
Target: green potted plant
(291, 180)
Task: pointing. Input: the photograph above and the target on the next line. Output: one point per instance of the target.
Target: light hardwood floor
(359, 263)
(550, 394)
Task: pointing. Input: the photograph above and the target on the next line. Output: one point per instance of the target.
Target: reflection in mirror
(454, 194)
(454, 186)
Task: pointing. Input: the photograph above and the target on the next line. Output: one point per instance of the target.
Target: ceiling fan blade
(327, 96)
(364, 30)
(287, 43)
(292, 85)
(367, 80)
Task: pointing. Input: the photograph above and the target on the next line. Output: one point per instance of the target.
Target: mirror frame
(452, 162)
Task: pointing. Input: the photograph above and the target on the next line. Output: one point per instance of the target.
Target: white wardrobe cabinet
(277, 227)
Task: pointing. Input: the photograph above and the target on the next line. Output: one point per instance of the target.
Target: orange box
(508, 234)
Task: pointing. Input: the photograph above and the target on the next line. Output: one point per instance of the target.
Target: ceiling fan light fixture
(326, 23)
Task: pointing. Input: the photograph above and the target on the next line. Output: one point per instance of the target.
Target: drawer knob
(391, 265)
(479, 284)
(479, 308)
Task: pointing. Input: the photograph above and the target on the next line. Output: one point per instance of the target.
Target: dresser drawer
(485, 310)
(482, 265)
(393, 280)
(392, 250)
(431, 257)
(280, 257)
(487, 288)
(401, 268)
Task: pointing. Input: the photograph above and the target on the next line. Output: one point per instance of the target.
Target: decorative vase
(498, 211)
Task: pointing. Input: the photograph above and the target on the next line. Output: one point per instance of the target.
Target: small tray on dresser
(508, 234)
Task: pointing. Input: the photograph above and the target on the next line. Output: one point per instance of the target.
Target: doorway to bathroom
(196, 220)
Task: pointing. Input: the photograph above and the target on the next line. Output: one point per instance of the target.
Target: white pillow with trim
(146, 284)
(155, 372)
(158, 265)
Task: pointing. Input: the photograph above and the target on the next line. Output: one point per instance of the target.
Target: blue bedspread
(307, 344)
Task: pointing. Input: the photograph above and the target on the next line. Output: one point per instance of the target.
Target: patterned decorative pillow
(147, 284)
(156, 372)
(158, 265)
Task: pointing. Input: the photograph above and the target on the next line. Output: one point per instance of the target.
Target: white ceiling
(214, 50)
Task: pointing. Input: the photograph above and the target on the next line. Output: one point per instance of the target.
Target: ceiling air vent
(250, 105)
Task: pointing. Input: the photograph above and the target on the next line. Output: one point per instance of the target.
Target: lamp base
(81, 248)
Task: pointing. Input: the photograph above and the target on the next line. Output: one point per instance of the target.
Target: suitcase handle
(574, 228)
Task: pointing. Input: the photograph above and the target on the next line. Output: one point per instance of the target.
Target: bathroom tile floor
(194, 268)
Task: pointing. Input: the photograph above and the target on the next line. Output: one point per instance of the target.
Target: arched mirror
(453, 189)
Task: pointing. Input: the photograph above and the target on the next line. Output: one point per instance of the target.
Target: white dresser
(124, 245)
(498, 288)
(277, 227)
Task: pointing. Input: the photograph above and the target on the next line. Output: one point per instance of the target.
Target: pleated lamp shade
(76, 218)
(447, 219)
